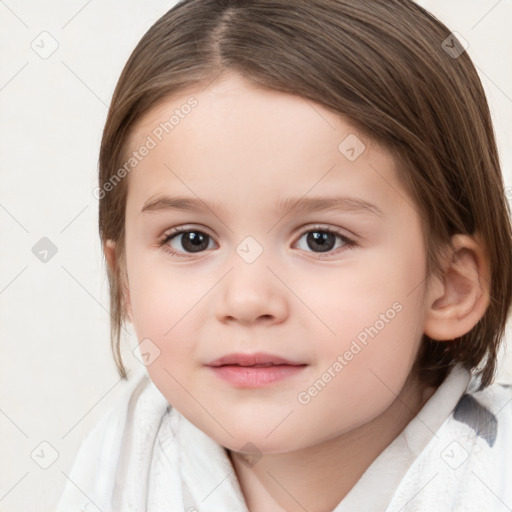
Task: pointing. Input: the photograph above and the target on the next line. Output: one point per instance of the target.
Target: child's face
(253, 278)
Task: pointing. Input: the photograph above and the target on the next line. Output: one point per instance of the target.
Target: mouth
(254, 370)
(259, 359)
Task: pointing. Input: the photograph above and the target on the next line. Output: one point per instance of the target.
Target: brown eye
(324, 240)
(183, 241)
(321, 240)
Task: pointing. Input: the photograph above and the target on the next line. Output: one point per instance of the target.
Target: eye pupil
(326, 241)
(194, 241)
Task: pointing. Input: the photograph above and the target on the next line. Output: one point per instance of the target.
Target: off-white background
(57, 373)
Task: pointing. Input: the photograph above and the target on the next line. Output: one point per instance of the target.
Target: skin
(247, 148)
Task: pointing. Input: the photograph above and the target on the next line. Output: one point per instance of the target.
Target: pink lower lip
(254, 377)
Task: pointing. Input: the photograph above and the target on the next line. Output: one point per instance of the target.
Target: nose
(250, 293)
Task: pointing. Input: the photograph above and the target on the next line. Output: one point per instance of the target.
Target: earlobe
(458, 300)
(109, 249)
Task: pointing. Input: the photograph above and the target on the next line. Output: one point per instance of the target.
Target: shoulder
(466, 465)
(137, 397)
(140, 404)
(488, 413)
(101, 454)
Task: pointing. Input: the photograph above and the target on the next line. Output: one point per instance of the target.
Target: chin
(235, 436)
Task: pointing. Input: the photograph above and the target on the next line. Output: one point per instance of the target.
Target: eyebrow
(289, 205)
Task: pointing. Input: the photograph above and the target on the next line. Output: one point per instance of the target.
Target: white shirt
(144, 456)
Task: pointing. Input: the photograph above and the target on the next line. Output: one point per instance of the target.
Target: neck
(318, 477)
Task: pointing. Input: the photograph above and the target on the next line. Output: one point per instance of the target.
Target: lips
(259, 359)
(254, 370)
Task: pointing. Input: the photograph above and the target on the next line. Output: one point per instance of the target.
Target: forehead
(248, 113)
(232, 136)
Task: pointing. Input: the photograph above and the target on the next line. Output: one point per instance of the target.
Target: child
(303, 215)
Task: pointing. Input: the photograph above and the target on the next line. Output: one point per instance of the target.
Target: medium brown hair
(388, 68)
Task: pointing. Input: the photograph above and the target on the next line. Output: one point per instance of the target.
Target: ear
(117, 267)
(458, 300)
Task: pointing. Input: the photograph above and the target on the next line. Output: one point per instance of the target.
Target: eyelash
(349, 243)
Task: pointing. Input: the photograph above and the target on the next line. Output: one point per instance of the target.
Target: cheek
(362, 369)
(165, 315)
(374, 314)
(382, 289)
(163, 308)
